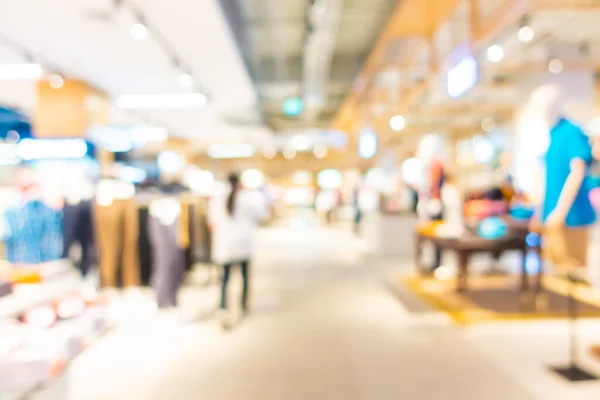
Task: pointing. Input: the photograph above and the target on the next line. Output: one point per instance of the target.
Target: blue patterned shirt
(32, 233)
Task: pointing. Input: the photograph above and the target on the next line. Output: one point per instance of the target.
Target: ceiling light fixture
(300, 143)
(21, 71)
(495, 53)
(289, 153)
(139, 31)
(320, 151)
(158, 101)
(270, 153)
(56, 81)
(526, 32)
(397, 123)
(233, 150)
(556, 66)
(185, 80)
(37, 149)
(488, 124)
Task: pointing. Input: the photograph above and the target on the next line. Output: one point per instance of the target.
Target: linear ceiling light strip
(143, 27)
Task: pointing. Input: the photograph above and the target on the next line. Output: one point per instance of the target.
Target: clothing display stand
(573, 372)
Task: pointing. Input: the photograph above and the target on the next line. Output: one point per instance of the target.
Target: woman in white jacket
(234, 219)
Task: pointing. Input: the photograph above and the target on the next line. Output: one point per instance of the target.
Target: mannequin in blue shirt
(566, 208)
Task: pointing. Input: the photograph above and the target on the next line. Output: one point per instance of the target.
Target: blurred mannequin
(168, 227)
(431, 153)
(453, 210)
(566, 212)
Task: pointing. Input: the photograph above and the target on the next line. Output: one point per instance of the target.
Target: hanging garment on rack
(145, 247)
(32, 233)
(199, 233)
(168, 261)
(188, 227)
(117, 232)
(78, 228)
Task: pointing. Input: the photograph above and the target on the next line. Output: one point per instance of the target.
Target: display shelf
(25, 296)
(35, 370)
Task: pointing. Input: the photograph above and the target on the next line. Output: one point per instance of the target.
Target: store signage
(462, 77)
(293, 106)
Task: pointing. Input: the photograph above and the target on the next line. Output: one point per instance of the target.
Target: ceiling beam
(505, 13)
(458, 110)
(534, 67)
(410, 18)
(485, 29)
(565, 5)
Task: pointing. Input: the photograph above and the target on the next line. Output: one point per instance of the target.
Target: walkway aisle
(323, 327)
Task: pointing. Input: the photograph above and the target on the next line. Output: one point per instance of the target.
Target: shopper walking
(234, 219)
(357, 211)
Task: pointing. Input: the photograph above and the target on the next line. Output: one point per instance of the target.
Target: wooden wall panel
(68, 111)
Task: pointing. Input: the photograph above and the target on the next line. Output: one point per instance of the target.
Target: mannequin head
(166, 209)
(431, 148)
(545, 103)
(28, 184)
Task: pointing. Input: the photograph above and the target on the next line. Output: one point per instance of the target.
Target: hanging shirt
(567, 143)
(32, 233)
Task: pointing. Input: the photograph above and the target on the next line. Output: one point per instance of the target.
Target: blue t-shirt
(568, 142)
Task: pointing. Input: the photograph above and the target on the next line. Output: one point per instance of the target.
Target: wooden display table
(471, 244)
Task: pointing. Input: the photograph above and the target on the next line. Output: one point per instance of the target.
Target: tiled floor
(324, 326)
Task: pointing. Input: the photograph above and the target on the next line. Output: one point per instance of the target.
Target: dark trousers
(244, 265)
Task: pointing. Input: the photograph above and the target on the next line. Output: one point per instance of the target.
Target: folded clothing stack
(5, 288)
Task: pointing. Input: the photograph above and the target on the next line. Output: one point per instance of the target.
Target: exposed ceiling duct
(323, 20)
(304, 53)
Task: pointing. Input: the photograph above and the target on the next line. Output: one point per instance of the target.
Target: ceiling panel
(89, 39)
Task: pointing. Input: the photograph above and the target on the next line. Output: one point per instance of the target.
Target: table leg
(541, 297)
(418, 254)
(540, 274)
(524, 276)
(463, 270)
(526, 297)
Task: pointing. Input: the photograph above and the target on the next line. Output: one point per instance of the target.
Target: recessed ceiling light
(56, 81)
(526, 34)
(185, 80)
(495, 53)
(289, 153)
(270, 153)
(397, 123)
(488, 124)
(320, 151)
(556, 66)
(138, 31)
